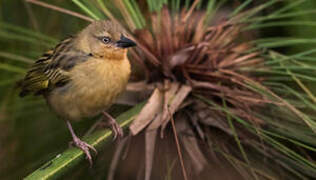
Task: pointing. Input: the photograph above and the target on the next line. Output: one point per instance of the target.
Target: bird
(82, 76)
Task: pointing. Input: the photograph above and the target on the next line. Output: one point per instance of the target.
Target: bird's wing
(51, 70)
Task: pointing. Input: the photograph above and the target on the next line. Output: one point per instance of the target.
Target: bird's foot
(117, 130)
(85, 147)
(115, 127)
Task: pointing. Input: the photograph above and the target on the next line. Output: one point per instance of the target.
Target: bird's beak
(124, 42)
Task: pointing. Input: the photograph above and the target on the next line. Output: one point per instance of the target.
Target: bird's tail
(18, 86)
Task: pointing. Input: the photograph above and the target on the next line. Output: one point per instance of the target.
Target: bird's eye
(106, 40)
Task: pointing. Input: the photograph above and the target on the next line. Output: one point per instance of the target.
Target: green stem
(70, 158)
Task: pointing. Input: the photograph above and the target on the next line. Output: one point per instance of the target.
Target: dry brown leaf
(152, 58)
(150, 142)
(254, 63)
(190, 11)
(180, 57)
(156, 123)
(199, 29)
(168, 94)
(156, 28)
(166, 29)
(169, 91)
(147, 114)
(190, 144)
(224, 64)
(174, 103)
(146, 38)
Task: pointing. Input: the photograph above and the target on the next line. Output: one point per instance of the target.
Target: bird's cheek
(94, 49)
(99, 50)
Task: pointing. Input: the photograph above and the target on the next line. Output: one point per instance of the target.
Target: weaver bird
(82, 76)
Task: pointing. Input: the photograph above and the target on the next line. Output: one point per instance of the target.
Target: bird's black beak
(124, 42)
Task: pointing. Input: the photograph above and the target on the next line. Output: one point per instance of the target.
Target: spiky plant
(207, 70)
(225, 93)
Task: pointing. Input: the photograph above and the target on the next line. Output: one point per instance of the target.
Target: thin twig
(62, 10)
(185, 177)
(31, 15)
(150, 142)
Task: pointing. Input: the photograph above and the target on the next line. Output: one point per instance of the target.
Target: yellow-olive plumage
(83, 75)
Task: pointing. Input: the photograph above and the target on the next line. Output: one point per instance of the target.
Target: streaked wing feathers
(51, 70)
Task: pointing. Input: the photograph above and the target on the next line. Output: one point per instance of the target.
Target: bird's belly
(89, 92)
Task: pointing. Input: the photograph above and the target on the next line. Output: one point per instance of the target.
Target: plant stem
(69, 159)
(56, 8)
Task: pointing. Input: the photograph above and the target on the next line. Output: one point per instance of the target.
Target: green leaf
(86, 9)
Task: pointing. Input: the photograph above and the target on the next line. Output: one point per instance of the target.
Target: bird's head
(105, 39)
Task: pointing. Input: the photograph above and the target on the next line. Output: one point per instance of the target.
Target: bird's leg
(81, 144)
(110, 122)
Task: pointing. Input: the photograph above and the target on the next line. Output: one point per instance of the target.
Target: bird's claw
(115, 127)
(85, 147)
(117, 130)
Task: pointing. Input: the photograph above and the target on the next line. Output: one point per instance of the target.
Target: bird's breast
(94, 86)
